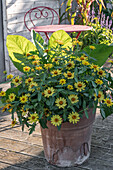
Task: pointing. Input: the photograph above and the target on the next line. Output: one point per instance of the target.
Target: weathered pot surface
(71, 145)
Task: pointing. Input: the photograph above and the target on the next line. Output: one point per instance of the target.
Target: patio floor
(19, 151)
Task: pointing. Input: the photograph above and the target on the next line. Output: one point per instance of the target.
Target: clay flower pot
(71, 145)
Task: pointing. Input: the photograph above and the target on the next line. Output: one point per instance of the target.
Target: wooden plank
(22, 7)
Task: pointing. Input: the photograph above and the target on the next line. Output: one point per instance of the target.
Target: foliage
(97, 35)
(104, 18)
(59, 83)
(81, 12)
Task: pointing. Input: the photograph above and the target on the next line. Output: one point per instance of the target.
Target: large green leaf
(101, 53)
(62, 37)
(38, 40)
(17, 47)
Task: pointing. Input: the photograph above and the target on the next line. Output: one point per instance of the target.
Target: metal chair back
(40, 12)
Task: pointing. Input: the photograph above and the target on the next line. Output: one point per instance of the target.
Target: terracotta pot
(71, 145)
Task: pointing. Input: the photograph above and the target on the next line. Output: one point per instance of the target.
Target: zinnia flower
(24, 99)
(62, 81)
(60, 102)
(73, 117)
(108, 102)
(73, 98)
(12, 97)
(55, 73)
(2, 93)
(49, 92)
(56, 120)
(26, 69)
(16, 81)
(10, 76)
(70, 87)
(80, 86)
(33, 118)
(98, 81)
(92, 47)
(100, 96)
(69, 75)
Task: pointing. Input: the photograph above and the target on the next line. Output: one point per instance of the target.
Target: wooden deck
(19, 151)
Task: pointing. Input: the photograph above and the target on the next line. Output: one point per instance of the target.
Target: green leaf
(17, 47)
(39, 42)
(85, 109)
(64, 116)
(101, 53)
(59, 127)
(107, 111)
(62, 36)
(1, 104)
(102, 112)
(43, 123)
(39, 96)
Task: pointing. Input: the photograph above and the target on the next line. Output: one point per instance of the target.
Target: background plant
(78, 15)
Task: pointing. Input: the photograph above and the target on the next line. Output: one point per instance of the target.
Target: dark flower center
(73, 117)
(79, 85)
(69, 74)
(61, 102)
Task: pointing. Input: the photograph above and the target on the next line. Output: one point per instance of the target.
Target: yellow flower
(108, 102)
(59, 42)
(70, 87)
(101, 73)
(48, 66)
(92, 47)
(61, 102)
(10, 76)
(12, 97)
(100, 96)
(46, 51)
(16, 81)
(56, 120)
(70, 65)
(36, 62)
(8, 106)
(55, 60)
(95, 67)
(2, 93)
(35, 57)
(23, 99)
(110, 61)
(55, 72)
(4, 109)
(86, 63)
(32, 70)
(73, 117)
(62, 81)
(26, 69)
(80, 43)
(5, 72)
(49, 92)
(29, 80)
(73, 98)
(47, 112)
(98, 81)
(38, 68)
(80, 86)
(32, 85)
(13, 122)
(82, 58)
(69, 75)
(24, 111)
(33, 118)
